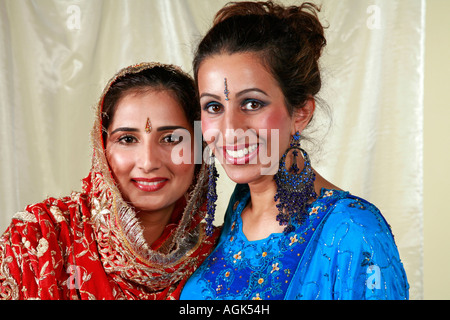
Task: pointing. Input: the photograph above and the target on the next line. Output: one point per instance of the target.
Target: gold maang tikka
(148, 126)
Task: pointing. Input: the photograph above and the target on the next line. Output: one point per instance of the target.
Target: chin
(150, 205)
(247, 173)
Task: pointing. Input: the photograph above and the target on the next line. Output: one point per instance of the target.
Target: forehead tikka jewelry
(148, 126)
(226, 92)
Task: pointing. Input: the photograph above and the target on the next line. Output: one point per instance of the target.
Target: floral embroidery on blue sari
(343, 250)
(260, 269)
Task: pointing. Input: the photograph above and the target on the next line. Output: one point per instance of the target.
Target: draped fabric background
(56, 57)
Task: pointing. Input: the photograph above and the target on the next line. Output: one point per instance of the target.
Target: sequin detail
(225, 91)
(344, 249)
(294, 187)
(261, 269)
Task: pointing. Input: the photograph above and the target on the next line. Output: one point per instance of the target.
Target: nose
(234, 126)
(149, 158)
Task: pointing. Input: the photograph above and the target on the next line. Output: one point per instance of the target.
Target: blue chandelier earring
(294, 187)
(211, 196)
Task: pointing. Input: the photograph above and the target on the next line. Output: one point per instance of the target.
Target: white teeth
(242, 152)
(145, 183)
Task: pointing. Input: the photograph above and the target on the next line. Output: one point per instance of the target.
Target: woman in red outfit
(135, 230)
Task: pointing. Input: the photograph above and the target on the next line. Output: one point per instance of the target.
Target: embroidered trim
(9, 290)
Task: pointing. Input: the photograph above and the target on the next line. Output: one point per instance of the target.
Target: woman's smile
(150, 185)
(139, 150)
(240, 154)
(251, 123)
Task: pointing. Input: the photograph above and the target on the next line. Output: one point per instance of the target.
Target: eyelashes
(171, 139)
(250, 105)
(127, 139)
(166, 139)
(253, 104)
(213, 107)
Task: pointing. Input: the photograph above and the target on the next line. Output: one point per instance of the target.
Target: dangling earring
(211, 196)
(294, 188)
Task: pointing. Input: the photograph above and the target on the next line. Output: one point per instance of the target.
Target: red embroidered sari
(90, 245)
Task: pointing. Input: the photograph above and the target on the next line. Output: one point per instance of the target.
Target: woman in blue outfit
(288, 232)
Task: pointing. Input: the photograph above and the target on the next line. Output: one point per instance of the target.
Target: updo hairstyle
(288, 40)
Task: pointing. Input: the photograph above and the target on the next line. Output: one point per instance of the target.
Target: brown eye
(213, 107)
(127, 139)
(252, 104)
(172, 139)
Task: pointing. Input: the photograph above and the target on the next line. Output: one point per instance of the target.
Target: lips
(240, 154)
(150, 185)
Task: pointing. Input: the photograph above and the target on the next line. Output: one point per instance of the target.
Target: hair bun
(302, 23)
(287, 39)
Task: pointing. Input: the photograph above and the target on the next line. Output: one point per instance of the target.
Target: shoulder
(42, 226)
(355, 225)
(353, 215)
(52, 210)
(355, 246)
(47, 217)
(354, 229)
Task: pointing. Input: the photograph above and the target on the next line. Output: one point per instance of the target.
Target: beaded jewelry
(225, 91)
(148, 126)
(211, 195)
(294, 188)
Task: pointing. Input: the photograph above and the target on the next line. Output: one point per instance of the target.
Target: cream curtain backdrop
(57, 55)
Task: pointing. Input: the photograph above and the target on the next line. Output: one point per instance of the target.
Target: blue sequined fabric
(343, 250)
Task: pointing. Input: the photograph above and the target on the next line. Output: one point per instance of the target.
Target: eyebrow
(124, 129)
(206, 94)
(165, 128)
(240, 93)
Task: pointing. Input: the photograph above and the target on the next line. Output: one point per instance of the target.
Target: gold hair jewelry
(226, 92)
(148, 126)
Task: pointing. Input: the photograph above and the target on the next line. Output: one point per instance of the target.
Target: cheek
(120, 163)
(275, 121)
(210, 129)
(279, 126)
(184, 173)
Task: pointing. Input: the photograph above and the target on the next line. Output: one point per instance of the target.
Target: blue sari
(344, 250)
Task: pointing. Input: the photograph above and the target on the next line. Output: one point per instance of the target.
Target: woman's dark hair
(289, 41)
(168, 78)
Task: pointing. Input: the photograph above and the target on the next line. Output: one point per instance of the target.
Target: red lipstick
(150, 185)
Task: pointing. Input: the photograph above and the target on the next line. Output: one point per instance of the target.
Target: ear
(302, 116)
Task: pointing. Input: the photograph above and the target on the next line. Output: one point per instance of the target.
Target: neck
(262, 193)
(259, 217)
(154, 222)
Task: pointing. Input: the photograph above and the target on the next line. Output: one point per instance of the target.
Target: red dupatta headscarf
(90, 245)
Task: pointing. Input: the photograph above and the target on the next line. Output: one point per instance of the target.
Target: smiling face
(244, 116)
(143, 139)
